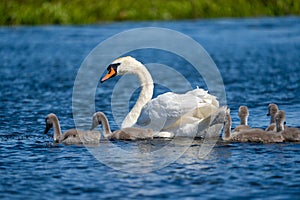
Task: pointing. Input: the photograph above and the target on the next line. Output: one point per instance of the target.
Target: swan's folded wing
(90, 137)
(166, 109)
(74, 136)
(137, 133)
(203, 96)
(69, 133)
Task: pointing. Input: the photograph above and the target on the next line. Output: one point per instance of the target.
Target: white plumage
(179, 114)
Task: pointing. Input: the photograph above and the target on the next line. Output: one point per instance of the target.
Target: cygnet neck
(101, 117)
(56, 126)
(227, 127)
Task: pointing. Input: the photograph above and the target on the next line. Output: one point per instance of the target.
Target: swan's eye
(112, 71)
(114, 66)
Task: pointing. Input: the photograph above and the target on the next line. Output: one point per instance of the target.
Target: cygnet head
(121, 66)
(97, 119)
(49, 122)
(243, 112)
(280, 120)
(272, 109)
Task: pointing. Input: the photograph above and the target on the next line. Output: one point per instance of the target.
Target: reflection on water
(259, 63)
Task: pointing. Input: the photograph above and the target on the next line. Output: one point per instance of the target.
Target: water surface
(259, 63)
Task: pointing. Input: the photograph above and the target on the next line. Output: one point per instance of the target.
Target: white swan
(130, 133)
(249, 135)
(289, 134)
(272, 110)
(243, 115)
(71, 136)
(178, 114)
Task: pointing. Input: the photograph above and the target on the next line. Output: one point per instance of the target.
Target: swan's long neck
(227, 127)
(57, 129)
(146, 94)
(105, 124)
(279, 126)
(244, 120)
(272, 119)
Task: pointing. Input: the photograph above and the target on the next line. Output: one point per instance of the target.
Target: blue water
(259, 63)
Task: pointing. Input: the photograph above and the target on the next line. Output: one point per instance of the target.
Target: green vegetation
(34, 12)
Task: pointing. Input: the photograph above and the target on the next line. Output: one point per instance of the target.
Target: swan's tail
(216, 118)
(219, 116)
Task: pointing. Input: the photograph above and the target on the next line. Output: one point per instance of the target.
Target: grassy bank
(34, 12)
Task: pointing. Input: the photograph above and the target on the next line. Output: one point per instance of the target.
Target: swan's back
(240, 128)
(74, 136)
(291, 134)
(170, 107)
(271, 127)
(257, 135)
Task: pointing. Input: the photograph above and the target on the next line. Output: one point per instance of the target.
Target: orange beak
(111, 73)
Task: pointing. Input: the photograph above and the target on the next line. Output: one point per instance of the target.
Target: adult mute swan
(71, 136)
(130, 133)
(172, 113)
(249, 135)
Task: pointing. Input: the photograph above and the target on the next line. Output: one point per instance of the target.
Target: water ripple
(257, 58)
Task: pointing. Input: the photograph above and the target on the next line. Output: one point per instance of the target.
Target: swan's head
(272, 109)
(121, 66)
(49, 122)
(243, 112)
(97, 119)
